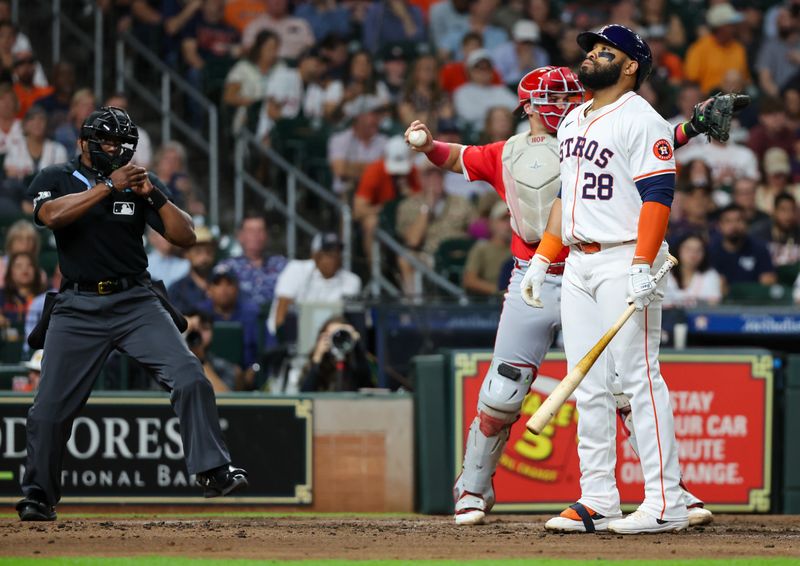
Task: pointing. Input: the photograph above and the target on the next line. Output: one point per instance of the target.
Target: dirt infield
(300, 537)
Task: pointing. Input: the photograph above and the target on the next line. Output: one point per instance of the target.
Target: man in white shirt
(295, 33)
(728, 161)
(474, 99)
(320, 279)
(514, 58)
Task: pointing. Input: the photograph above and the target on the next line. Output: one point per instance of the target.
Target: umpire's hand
(128, 176)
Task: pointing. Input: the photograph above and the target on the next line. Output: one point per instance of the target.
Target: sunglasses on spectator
(24, 62)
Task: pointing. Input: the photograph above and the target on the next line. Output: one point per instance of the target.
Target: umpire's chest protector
(531, 179)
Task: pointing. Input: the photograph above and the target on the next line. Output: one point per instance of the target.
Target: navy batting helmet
(624, 39)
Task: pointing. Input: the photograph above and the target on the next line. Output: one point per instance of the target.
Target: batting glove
(531, 286)
(641, 286)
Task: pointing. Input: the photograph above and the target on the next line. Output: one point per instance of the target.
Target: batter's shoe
(579, 519)
(699, 515)
(640, 522)
(470, 509)
(31, 509)
(222, 481)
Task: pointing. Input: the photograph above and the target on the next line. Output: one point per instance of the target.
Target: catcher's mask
(552, 92)
(110, 124)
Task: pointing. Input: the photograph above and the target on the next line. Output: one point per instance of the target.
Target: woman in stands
(692, 281)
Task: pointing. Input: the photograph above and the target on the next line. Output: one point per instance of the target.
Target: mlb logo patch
(124, 208)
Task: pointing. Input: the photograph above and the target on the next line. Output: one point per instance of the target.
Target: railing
(245, 142)
(170, 80)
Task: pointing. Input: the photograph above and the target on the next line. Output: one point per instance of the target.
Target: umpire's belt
(104, 287)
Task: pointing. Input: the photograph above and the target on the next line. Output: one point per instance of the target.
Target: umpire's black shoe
(222, 481)
(30, 509)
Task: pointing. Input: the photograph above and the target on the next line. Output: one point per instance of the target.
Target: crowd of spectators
(354, 73)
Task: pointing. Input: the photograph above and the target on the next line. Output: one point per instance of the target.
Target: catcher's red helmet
(553, 92)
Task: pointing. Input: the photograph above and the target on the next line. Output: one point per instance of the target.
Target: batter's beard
(596, 78)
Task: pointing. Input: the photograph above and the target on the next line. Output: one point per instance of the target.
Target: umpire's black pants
(84, 328)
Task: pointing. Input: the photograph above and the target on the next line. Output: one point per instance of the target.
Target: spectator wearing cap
(478, 20)
(225, 304)
(294, 92)
(256, 270)
(326, 19)
(455, 73)
(24, 87)
(295, 33)
(423, 98)
(164, 262)
(394, 59)
(777, 177)
(390, 22)
(34, 366)
(782, 233)
(708, 58)
(486, 258)
(351, 150)
(516, 57)
(772, 129)
(428, 218)
(320, 279)
(474, 99)
(778, 59)
(190, 291)
(383, 180)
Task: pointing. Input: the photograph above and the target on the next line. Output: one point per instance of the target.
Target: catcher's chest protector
(531, 179)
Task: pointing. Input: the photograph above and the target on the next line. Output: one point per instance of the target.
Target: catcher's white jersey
(603, 155)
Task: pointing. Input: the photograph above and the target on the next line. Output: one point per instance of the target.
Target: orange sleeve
(369, 184)
(653, 220)
(550, 246)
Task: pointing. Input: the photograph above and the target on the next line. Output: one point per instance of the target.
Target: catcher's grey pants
(84, 328)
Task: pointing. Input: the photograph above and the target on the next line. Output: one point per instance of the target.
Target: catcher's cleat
(640, 522)
(578, 518)
(470, 509)
(222, 481)
(699, 515)
(31, 509)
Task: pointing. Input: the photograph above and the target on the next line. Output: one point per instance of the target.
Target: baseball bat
(563, 390)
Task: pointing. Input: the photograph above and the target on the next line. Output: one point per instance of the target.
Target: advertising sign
(723, 413)
(129, 450)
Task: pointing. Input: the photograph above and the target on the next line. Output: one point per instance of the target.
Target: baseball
(417, 138)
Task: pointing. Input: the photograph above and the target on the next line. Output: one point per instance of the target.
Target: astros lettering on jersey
(610, 160)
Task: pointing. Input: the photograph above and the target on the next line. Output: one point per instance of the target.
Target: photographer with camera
(222, 374)
(338, 361)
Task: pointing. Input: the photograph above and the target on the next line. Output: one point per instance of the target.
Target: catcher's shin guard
(502, 393)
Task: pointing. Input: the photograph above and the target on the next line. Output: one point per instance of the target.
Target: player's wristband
(549, 247)
(439, 154)
(156, 199)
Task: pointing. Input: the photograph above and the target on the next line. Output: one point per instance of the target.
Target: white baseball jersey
(603, 156)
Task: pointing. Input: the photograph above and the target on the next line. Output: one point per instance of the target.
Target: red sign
(723, 413)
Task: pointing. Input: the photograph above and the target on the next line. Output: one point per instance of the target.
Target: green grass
(173, 561)
(111, 515)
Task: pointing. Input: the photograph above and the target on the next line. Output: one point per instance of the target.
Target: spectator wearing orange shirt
(711, 56)
(25, 89)
(454, 74)
(383, 180)
(239, 13)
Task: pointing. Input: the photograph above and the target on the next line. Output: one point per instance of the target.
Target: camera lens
(194, 339)
(342, 341)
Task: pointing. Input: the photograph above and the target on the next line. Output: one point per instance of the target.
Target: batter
(617, 184)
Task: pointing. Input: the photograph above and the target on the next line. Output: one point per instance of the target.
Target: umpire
(97, 206)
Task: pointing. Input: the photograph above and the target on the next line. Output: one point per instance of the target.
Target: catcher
(524, 171)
